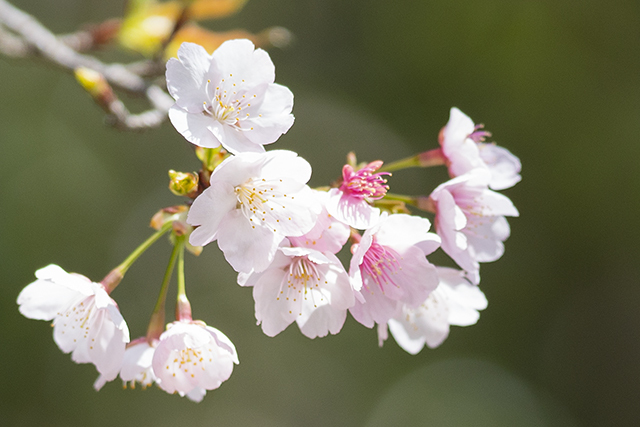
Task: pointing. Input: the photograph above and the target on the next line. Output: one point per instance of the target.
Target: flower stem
(114, 277)
(426, 159)
(401, 197)
(409, 162)
(156, 324)
(143, 247)
(183, 307)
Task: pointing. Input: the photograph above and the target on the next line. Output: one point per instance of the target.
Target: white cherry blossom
(228, 98)
(191, 358)
(470, 219)
(462, 146)
(301, 285)
(254, 201)
(389, 266)
(86, 321)
(454, 302)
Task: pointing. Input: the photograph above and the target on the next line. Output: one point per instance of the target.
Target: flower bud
(95, 83)
(211, 157)
(182, 183)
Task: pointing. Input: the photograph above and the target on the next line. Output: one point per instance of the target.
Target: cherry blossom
(470, 219)
(389, 266)
(304, 285)
(254, 201)
(191, 358)
(462, 146)
(228, 98)
(350, 203)
(454, 302)
(86, 321)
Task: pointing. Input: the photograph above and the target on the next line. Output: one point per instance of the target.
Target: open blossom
(462, 146)
(350, 203)
(137, 368)
(470, 219)
(228, 98)
(254, 201)
(86, 321)
(191, 358)
(301, 285)
(389, 266)
(454, 302)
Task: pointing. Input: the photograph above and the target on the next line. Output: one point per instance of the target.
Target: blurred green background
(558, 84)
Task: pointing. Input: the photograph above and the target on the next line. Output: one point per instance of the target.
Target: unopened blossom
(389, 266)
(86, 321)
(228, 98)
(301, 285)
(351, 202)
(470, 219)
(454, 302)
(254, 201)
(191, 358)
(328, 235)
(464, 150)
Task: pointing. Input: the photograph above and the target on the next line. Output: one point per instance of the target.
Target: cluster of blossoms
(282, 237)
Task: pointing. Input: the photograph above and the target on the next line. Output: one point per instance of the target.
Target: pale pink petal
(350, 210)
(274, 310)
(505, 167)
(247, 247)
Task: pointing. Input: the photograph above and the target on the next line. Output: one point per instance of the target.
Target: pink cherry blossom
(470, 220)
(389, 266)
(301, 285)
(228, 98)
(463, 149)
(454, 302)
(191, 358)
(351, 202)
(86, 321)
(254, 201)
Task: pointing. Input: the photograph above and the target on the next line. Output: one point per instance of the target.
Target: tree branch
(32, 38)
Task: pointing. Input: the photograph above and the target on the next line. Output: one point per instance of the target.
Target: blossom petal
(247, 247)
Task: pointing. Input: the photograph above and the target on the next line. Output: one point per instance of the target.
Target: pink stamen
(479, 135)
(364, 183)
(380, 264)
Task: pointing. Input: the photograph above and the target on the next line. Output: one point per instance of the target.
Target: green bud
(211, 157)
(182, 183)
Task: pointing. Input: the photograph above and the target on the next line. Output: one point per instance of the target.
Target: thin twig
(32, 37)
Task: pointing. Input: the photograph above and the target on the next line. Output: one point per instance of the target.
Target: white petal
(186, 76)
(247, 247)
(410, 344)
(199, 129)
(273, 310)
(273, 118)
(208, 210)
(239, 57)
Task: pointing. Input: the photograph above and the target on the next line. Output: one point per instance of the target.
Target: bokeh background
(557, 82)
